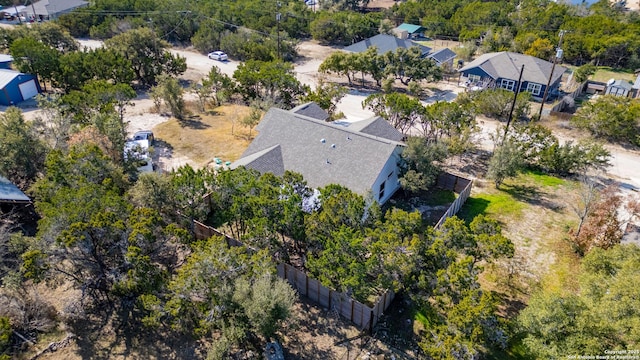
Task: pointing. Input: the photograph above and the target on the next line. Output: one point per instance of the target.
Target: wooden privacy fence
(202, 232)
(361, 315)
(458, 185)
(562, 103)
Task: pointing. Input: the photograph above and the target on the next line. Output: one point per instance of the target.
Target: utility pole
(15, 6)
(513, 104)
(32, 9)
(278, 16)
(553, 67)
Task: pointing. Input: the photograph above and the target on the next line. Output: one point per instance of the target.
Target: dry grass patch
(216, 134)
(534, 210)
(605, 73)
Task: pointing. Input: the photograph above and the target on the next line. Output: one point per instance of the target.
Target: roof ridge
(340, 128)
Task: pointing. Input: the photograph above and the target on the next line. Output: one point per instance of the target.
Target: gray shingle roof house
(502, 69)
(385, 43)
(443, 56)
(312, 110)
(325, 153)
(50, 9)
(9, 193)
(618, 88)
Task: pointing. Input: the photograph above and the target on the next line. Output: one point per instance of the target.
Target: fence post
(371, 323)
(295, 279)
(286, 272)
(351, 316)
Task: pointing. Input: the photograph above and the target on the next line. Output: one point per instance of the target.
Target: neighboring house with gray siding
(326, 153)
(51, 9)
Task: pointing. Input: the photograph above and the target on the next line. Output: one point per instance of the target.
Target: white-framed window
(508, 84)
(475, 78)
(534, 89)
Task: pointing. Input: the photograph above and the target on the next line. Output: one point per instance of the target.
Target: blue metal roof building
(5, 61)
(16, 87)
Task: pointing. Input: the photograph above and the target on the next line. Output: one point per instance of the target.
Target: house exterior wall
(389, 176)
(617, 91)
(477, 72)
(526, 87)
(11, 95)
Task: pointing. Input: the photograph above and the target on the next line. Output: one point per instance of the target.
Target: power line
(553, 67)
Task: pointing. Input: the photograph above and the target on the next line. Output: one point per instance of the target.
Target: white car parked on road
(218, 55)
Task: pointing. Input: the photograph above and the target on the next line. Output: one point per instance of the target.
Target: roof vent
(323, 141)
(333, 146)
(328, 162)
(348, 137)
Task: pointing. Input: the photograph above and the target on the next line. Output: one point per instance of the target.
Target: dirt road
(624, 163)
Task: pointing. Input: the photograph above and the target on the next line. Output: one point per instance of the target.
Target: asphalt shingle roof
(322, 152)
(385, 43)
(311, 109)
(442, 55)
(377, 126)
(53, 7)
(507, 65)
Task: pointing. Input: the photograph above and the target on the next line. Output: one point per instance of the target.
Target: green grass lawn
(498, 205)
(510, 200)
(540, 179)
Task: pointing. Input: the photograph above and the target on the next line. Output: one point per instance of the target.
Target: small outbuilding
(16, 87)
(409, 31)
(618, 88)
(5, 61)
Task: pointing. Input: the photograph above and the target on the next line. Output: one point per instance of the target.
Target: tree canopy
(601, 316)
